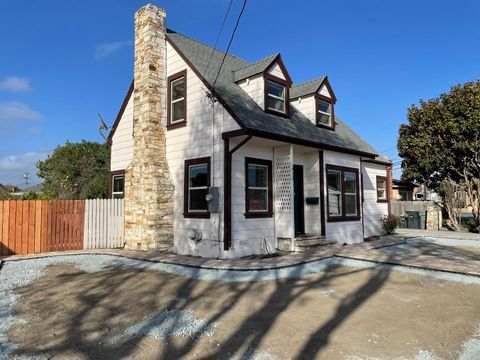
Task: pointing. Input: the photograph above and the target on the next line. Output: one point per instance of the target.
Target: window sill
(382, 201)
(254, 215)
(196, 215)
(343, 218)
(176, 125)
(323, 126)
(278, 113)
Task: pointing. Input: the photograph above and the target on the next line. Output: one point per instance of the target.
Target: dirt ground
(342, 313)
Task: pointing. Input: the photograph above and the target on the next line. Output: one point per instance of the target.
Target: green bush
(390, 223)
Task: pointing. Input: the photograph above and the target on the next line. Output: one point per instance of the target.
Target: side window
(342, 193)
(117, 186)
(177, 100)
(258, 188)
(197, 182)
(382, 189)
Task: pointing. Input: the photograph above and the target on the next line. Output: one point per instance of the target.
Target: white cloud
(15, 84)
(104, 50)
(12, 167)
(14, 110)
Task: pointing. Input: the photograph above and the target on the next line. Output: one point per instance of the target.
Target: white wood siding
(311, 188)
(194, 141)
(248, 235)
(372, 210)
(275, 70)
(306, 106)
(122, 140)
(324, 91)
(254, 87)
(343, 231)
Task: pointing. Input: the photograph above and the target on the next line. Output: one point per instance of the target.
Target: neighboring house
(237, 172)
(403, 190)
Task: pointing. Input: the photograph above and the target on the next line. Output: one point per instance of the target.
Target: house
(403, 190)
(219, 157)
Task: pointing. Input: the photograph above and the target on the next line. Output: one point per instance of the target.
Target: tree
(76, 171)
(440, 146)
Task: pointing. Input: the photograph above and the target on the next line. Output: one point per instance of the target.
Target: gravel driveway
(99, 306)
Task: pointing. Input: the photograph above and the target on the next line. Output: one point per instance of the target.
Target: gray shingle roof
(306, 88)
(252, 117)
(254, 69)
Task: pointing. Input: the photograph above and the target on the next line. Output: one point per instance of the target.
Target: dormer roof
(311, 87)
(254, 69)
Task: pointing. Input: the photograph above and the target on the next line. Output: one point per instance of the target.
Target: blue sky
(62, 62)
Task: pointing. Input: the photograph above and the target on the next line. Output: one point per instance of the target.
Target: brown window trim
(272, 78)
(171, 78)
(186, 212)
(332, 112)
(344, 217)
(383, 178)
(111, 174)
(255, 214)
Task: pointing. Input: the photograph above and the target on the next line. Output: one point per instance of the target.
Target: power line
(230, 42)
(389, 149)
(218, 37)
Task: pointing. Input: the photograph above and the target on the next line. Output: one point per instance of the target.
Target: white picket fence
(104, 224)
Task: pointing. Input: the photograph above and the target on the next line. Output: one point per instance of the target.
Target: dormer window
(276, 95)
(324, 112)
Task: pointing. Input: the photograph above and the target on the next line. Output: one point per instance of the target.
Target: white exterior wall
(193, 141)
(324, 91)
(343, 231)
(254, 87)
(373, 211)
(311, 188)
(122, 140)
(306, 106)
(248, 235)
(275, 70)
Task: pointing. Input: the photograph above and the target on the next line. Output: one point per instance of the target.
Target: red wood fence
(35, 226)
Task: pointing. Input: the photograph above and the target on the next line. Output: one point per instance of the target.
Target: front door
(298, 199)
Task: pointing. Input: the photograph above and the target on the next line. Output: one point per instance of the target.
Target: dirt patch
(340, 313)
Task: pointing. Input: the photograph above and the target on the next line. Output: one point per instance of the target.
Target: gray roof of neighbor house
(306, 88)
(296, 129)
(254, 69)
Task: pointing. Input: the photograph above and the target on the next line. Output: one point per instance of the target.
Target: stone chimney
(148, 186)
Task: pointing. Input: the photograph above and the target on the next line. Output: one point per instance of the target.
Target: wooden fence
(104, 224)
(37, 226)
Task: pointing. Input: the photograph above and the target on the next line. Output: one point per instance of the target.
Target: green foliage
(440, 145)
(390, 223)
(76, 171)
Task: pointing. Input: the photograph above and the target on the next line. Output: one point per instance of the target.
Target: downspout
(227, 228)
(389, 189)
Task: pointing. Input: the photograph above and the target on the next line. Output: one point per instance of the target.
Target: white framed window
(197, 183)
(118, 186)
(334, 184)
(258, 187)
(276, 96)
(381, 188)
(342, 193)
(177, 100)
(324, 112)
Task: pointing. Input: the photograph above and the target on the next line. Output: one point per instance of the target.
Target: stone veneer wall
(148, 186)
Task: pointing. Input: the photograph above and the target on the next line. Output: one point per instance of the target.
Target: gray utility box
(213, 201)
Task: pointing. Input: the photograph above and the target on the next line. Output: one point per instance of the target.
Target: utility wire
(218, 37)
(230, 42)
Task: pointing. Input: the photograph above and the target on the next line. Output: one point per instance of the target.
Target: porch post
(292, 212)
